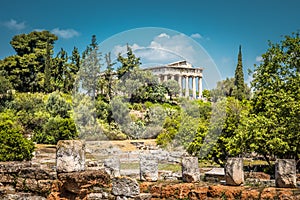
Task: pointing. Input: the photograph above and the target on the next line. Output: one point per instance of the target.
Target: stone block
(190, 169)
(148, 168)
(125, 186)
(285, 173)
(234, 173)
(70, 156)
(112, 166)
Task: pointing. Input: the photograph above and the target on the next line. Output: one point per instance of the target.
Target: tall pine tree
(128, 64)
(239, 77)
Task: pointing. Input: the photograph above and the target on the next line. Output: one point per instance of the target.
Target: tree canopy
(272, 127)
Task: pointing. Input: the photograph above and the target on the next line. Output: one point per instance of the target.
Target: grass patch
(130, 165)
(161, 166)
(254, 162)
(169, 167)
(208, 163)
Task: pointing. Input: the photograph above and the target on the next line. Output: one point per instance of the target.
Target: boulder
(234, 173)
(285, 173)
(148, 168)
(125, 187)
(70, 156)
(190, 169)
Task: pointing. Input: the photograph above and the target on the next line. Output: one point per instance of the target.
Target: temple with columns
(182, 72)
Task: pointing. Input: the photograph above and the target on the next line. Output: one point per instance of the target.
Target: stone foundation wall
(38, 180)
(25, 179)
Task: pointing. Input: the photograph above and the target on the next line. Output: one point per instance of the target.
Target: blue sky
(217, 26)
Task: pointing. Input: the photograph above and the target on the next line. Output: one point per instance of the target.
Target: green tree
(34, 42)
(30, 111)
(214, 137)
(273, 124)
(172, 88)
(26, 70)
(75, 59)
(88, 76)
(127, 63)
(48, 65)
(239, 77)
(59, 72)
(5, 91)
(56, 105)
(227, 88)
(109, 77)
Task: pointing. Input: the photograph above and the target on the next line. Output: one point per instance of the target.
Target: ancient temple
(182, 72)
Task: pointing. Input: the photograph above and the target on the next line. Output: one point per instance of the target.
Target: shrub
(56, 129)
(13, 145)
(56, 105)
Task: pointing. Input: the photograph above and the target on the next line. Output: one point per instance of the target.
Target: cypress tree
(239, 77)
(47, 83)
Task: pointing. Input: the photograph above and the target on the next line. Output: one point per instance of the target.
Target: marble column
(200, 86)
(159, 78)
(187, 86)
(172, 77)
(194, 87)
(165, 77)
(180, 85)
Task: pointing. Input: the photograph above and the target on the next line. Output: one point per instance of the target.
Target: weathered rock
(22, 196)
(144, 196)
(234, 173)
(148, 168)
(112, 166)
(257, 175)
(190, 169)
(215, 175)
(125, 186)
(97, 196)
(14, 166)
(285, 173)
(74, 182)
(70, 156)
(27, 184)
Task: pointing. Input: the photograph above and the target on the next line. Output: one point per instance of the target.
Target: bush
(56, 129)
(56, 105)
(13, 145)
(30, 111)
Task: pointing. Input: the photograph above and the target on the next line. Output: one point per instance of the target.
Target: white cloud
(168, 47)
(162, 49)
(258, 58)
(196, 36)
(163, 35)
(13, 24)
(123, 49)
(65, 33)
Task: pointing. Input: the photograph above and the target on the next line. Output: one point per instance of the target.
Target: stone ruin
(72, 180)
(285, 173)
(234, 173)
(190, 169)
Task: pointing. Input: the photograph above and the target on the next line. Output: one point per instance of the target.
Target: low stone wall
(74, 180)
(196, 191)
(25, 179)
